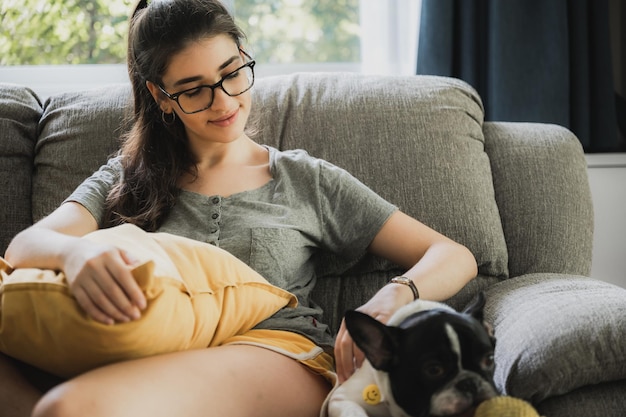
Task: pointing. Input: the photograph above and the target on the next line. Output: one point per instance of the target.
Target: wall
(607, 174)
(607, 178)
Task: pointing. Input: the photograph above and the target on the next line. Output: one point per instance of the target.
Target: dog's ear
(476, 306)
(475, 309)
(377, 341)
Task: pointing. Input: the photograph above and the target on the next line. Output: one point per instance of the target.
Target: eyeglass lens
(201, 98)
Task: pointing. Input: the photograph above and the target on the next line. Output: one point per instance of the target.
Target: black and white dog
(429, 360)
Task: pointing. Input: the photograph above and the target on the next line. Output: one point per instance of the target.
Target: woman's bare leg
(17, 395)
(226, 381)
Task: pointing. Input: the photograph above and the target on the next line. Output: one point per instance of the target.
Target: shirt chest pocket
(282, 256)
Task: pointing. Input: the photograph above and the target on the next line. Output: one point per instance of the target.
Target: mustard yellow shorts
(292, 345)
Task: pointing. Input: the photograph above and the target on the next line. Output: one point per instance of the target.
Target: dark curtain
(530, 60)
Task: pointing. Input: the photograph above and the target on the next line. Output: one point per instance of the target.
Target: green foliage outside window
(63, 32)
(283, 31)
(35, 32)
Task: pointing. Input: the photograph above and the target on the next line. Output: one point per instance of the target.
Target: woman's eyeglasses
(200, 98)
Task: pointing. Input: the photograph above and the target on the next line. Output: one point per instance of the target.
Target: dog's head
(438, 362)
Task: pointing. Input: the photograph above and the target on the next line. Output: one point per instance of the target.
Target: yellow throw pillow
(198, 295)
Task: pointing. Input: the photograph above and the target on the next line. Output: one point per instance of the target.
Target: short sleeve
(92, 192)
(352, 213)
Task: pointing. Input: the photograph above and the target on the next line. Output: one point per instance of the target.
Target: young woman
(187, 167)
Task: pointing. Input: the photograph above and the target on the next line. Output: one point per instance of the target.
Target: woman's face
(206, 62)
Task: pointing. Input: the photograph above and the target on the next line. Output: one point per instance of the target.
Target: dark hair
(154, 153)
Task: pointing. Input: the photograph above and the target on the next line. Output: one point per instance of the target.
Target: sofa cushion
(20, 111)
(598, 400)
(556, 333)
(79, 131)
(416, 140)
(198, 296)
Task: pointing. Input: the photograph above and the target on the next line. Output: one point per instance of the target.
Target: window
(83, 42)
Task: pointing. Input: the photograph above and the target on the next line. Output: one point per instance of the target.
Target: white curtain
(390, 30)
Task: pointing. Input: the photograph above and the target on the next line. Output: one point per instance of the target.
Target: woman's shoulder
(112, 167)
(298, 160)
(290, 155)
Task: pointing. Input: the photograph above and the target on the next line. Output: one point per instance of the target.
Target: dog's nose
(467, 386)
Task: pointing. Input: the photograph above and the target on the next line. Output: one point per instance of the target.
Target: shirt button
(213, 230)
(216, 200)
(215, 216)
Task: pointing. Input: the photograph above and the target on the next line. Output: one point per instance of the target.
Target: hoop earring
(168, 122)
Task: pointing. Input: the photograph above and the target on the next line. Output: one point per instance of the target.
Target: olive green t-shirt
(309, 205)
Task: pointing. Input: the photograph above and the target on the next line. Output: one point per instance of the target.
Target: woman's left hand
(348, 357)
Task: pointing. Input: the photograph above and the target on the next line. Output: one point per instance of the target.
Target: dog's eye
(487, 361)
(433, 369)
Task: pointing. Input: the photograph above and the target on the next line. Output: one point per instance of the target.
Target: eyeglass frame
(251, 63)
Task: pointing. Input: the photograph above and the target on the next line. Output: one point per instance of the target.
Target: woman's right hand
(99, 275)
(100, 279)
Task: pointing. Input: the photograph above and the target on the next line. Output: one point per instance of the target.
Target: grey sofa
(516, 194)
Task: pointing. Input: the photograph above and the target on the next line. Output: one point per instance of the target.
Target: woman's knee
(64, 400)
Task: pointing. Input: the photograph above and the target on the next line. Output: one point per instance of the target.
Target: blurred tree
(284, 31)
(63, 31)
(34, 32)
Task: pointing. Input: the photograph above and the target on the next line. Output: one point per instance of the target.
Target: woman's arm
(438, 266)
(99, 275)
(45, 244)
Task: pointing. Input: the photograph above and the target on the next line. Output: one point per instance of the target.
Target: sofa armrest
(543, 195)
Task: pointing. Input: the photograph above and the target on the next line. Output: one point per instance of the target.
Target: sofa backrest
(77, 133)
(416, 140)
(20, 111)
